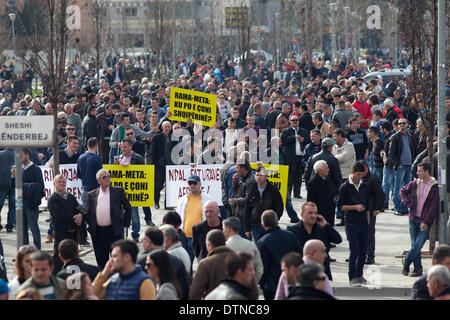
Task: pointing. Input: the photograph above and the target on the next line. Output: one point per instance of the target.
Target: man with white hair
(321, 190)
(389, 112)
(438, 282)
(109, 211)
(173, 245)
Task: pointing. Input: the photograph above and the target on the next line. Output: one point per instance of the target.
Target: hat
(3, 287)
(146, 92)
(194, 178)
(327, 142)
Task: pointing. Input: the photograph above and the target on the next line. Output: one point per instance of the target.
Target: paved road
(387, 282)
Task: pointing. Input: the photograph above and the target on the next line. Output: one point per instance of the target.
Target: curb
(373, 292)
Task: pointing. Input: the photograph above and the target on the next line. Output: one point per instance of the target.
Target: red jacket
(397, 109)
(364, 109)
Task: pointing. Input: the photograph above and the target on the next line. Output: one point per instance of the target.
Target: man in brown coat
(211, 270)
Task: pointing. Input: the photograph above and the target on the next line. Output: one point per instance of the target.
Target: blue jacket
(273, 245)
(126, 287)
(87, 166)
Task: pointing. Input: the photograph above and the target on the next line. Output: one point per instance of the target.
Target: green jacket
(58, 285)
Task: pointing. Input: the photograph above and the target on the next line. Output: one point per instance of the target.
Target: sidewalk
(385, 278)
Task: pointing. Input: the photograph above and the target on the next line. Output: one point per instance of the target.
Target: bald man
(199, 231)
(314, 251)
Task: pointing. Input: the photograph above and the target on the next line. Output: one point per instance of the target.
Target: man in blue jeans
(33, 191)
(422, 198)
(353, 199)
(400, 158)
(387, 131)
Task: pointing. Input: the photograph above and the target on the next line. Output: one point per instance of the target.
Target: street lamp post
(333, 9)
(355, 37)
(12, 17)
(346, 12)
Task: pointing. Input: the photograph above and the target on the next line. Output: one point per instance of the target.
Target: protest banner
(73, 184)
(194, 105)
(138, 181)
(278, 176)
(177, 186)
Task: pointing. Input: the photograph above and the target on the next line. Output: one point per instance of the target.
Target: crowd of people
(362, 143)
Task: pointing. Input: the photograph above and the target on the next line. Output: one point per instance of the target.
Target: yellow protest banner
(278, 176)
(194, 105)
(138, 181)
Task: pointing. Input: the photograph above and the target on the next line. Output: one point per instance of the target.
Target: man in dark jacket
(242, 189)
(311, 284)
(359, 139)
(69, 255)
(273, 245)
(353, 200)
(6, 188)
(67, 216)
(33, 191)
(376, 204)
(441, 255)
(161, 156)
(263, 196)
(89, 126)
(314, 226)
(400, 158)
(332, 162)
(387, 132)
(294, 140)
(200, 230)
(321, 190)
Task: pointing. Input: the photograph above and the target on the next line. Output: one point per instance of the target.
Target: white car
(386, 75)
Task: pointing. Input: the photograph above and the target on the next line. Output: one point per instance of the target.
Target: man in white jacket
(345, 153)
(190, 208)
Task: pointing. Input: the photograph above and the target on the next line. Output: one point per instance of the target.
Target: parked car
(386, 75)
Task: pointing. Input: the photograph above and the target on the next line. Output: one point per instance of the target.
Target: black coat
(255, 205)
(62, 212)
(288, 140)
(73, 266)
(308, 293)
(273, 245)
(326, 234)
(395, 150)
(376, 194)
(199, 232)
(322, 192)
(88, 129)
(333, 165)
(161, 149)
(419, 290)
(33, 186)
(119, 220)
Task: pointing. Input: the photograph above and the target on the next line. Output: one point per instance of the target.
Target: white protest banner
(177, 186)
(73, 184)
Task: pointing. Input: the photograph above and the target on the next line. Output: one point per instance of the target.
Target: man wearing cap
(191, 209)
(146, 100)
